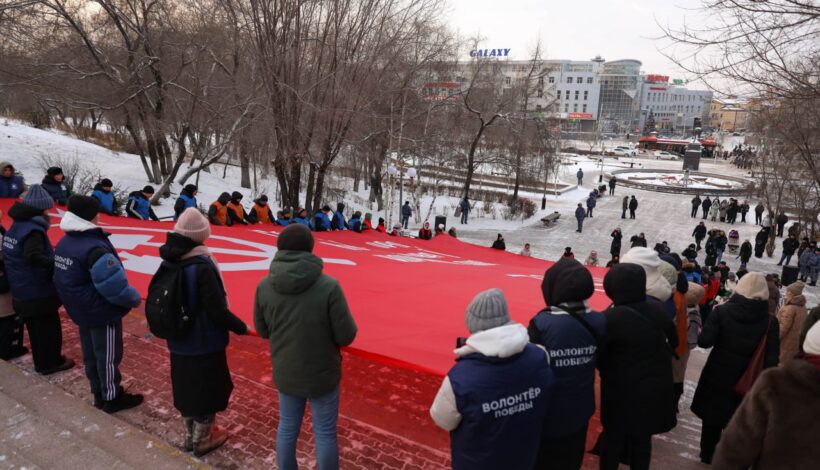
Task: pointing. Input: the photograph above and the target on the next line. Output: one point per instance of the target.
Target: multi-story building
(728, 114)
(620, 96)
(673, 106)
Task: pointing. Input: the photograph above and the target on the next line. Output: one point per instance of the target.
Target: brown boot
(188, 427)
(207, 437)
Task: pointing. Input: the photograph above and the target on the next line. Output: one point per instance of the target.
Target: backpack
(166, 309)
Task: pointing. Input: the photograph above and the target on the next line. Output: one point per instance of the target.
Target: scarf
(814, 360)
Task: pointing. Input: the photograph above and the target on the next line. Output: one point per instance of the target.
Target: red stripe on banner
(408, 296)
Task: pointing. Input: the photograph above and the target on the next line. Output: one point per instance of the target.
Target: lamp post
(399, 171)
(392, 171)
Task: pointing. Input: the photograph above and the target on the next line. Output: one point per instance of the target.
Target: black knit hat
(625, 283)
(295, 237)
(236, 195)
(567, 281)
(106, 183)
(54, 171)
(190, 188)
(84, 207)
(325, 208)
(148, 189)
(263, 198)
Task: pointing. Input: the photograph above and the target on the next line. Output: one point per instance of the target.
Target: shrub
(521, 207)
(80, 178)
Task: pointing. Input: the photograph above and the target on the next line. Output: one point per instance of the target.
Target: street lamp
(399, 171)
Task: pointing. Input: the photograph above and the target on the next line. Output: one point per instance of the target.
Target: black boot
(123, 401)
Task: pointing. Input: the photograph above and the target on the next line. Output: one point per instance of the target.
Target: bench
(551, 219)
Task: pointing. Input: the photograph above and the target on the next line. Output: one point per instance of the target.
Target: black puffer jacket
(635, 357)
(733, 331)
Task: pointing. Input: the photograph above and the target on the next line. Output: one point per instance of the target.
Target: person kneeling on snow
(139, 204)
(494, 399)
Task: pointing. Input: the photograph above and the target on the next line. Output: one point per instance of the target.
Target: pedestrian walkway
(41, 426)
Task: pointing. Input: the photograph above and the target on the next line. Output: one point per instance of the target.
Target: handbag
(755, 366)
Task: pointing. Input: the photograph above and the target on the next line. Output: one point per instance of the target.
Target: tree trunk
(245, 165)
(310, 185)
(471, 160)
(320, 185)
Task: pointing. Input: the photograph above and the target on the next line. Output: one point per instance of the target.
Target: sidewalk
(41, 426)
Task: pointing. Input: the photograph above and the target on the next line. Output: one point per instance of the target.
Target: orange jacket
(220, 212)
(262, 213)
(237, 209)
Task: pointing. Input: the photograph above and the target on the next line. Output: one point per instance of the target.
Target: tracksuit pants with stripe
(102, 354)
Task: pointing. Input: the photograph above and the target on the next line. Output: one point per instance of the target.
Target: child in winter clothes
(694, 295)
(592, 259)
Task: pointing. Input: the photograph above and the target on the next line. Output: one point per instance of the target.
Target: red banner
(408, 296)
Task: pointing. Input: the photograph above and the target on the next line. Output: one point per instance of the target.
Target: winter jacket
(759, 209)
(745, 252)
(262, 214)
(744, 208)
(707, 203)
(776, 426)
(633, 204)
(338, 221)
(724, 206)
(774, 297)
(321, 222)
(691, 254)
(580, 174)
(572, 351)
(355, 224)
(499, 245)
(236, 212)
(89, 275)
(205, 298)
(580, 213)
(695, 202)
(699, 232)
(782, 219)
(625, 203)
(720, 242)
(635, 362)
(184, 201)
(58, 191)
(28, 254)
(693, 276)
(106, 198)
(733, 331)
(615, 247)
(591, 202)
(791, 317)
(637, 241)
(493, 399)
(713, 211)
(139, 207)
(13, 186)
(464, 205)
(406, 210)
(301, 220)
(305, 316)
(790, 245)
(425, 234)
(218, 212)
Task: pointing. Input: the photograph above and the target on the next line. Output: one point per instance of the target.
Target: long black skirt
(201, 384)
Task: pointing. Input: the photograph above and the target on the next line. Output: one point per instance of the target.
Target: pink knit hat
(194, 225)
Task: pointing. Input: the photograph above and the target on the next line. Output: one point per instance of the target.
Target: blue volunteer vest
(72, 277)
(572, 350)
(300, 220)
(26, 282)
(502, 404)
(106, 200)
(204, 337)
(11, 187)
(142, 206)
(189, 202)
(285, 222)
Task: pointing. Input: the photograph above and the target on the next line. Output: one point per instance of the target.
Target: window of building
(538, 108)
(589, 79)
(540, 80)
(575, 108)
(576, 94)
(566, 107)
(579, 80)
(586, 95)
(540, 93)
(508, 80)
(585, 108)
(558, 93)
(569, 79)
(552, 79)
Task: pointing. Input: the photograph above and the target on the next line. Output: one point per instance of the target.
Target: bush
(80, 178)
(521, 207)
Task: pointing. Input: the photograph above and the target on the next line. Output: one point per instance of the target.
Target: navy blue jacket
(591, 201)
(106, 199)
(355, 224)
(58, 191)
(406, 210)
(572, 350)
(580, 213)
(183, 202)
(502, 403)
(205, 337)
(91, 280)
(139, 207)
(27, 282)
(321, 222)
(11, 187)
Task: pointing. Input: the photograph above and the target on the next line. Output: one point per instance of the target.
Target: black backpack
(166, 308)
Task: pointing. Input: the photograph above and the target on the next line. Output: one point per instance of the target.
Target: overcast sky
(576, 29)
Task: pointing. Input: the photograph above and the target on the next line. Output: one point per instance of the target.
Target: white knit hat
(812, 343)
(753, 286)
(656, 284)
(194, 225)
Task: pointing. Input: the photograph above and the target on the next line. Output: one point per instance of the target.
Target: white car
(663, 155)
(629, 151)
(619, 152)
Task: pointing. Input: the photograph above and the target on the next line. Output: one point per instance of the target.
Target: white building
(673, 106)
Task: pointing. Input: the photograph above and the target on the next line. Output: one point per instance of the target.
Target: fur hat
(812, 343)
(194, 225)
(487, 310)
(656, 284)
(625, 283)
(694, 294)
(38, 198)
(295, 237)
(753, 286)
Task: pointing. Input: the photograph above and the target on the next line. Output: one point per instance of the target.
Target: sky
(576, 29)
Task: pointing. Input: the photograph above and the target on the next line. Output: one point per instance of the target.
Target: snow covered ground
(662, 217)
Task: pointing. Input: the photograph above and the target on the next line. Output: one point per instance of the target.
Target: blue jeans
(719, 256)
(786, 257)
(405, 219)
(324, 411)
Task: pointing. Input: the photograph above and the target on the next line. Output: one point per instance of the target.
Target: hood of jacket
(293, 272)
(20, 211)
(798, 300)
(656, 285)
(625, 283)
(503, 341)
(567, 281)
(176, 246)
(224, 198)
(73, 223)
(4, 165)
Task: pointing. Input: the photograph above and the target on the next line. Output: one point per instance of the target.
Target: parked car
(629, 151)
(663, 155)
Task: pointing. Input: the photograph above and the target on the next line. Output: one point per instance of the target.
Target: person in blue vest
(355, 222)
(186, 199)
(139, 204)
(406, 213)
(494, 399)
(200, 379)
(321, 221)
(338, 222)
(11, 184)
(91, 282)
(29, 259)
(102, 193)
(569, 331)
(54, 184)
(301, 217)
(11, 327)
(283, 218)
